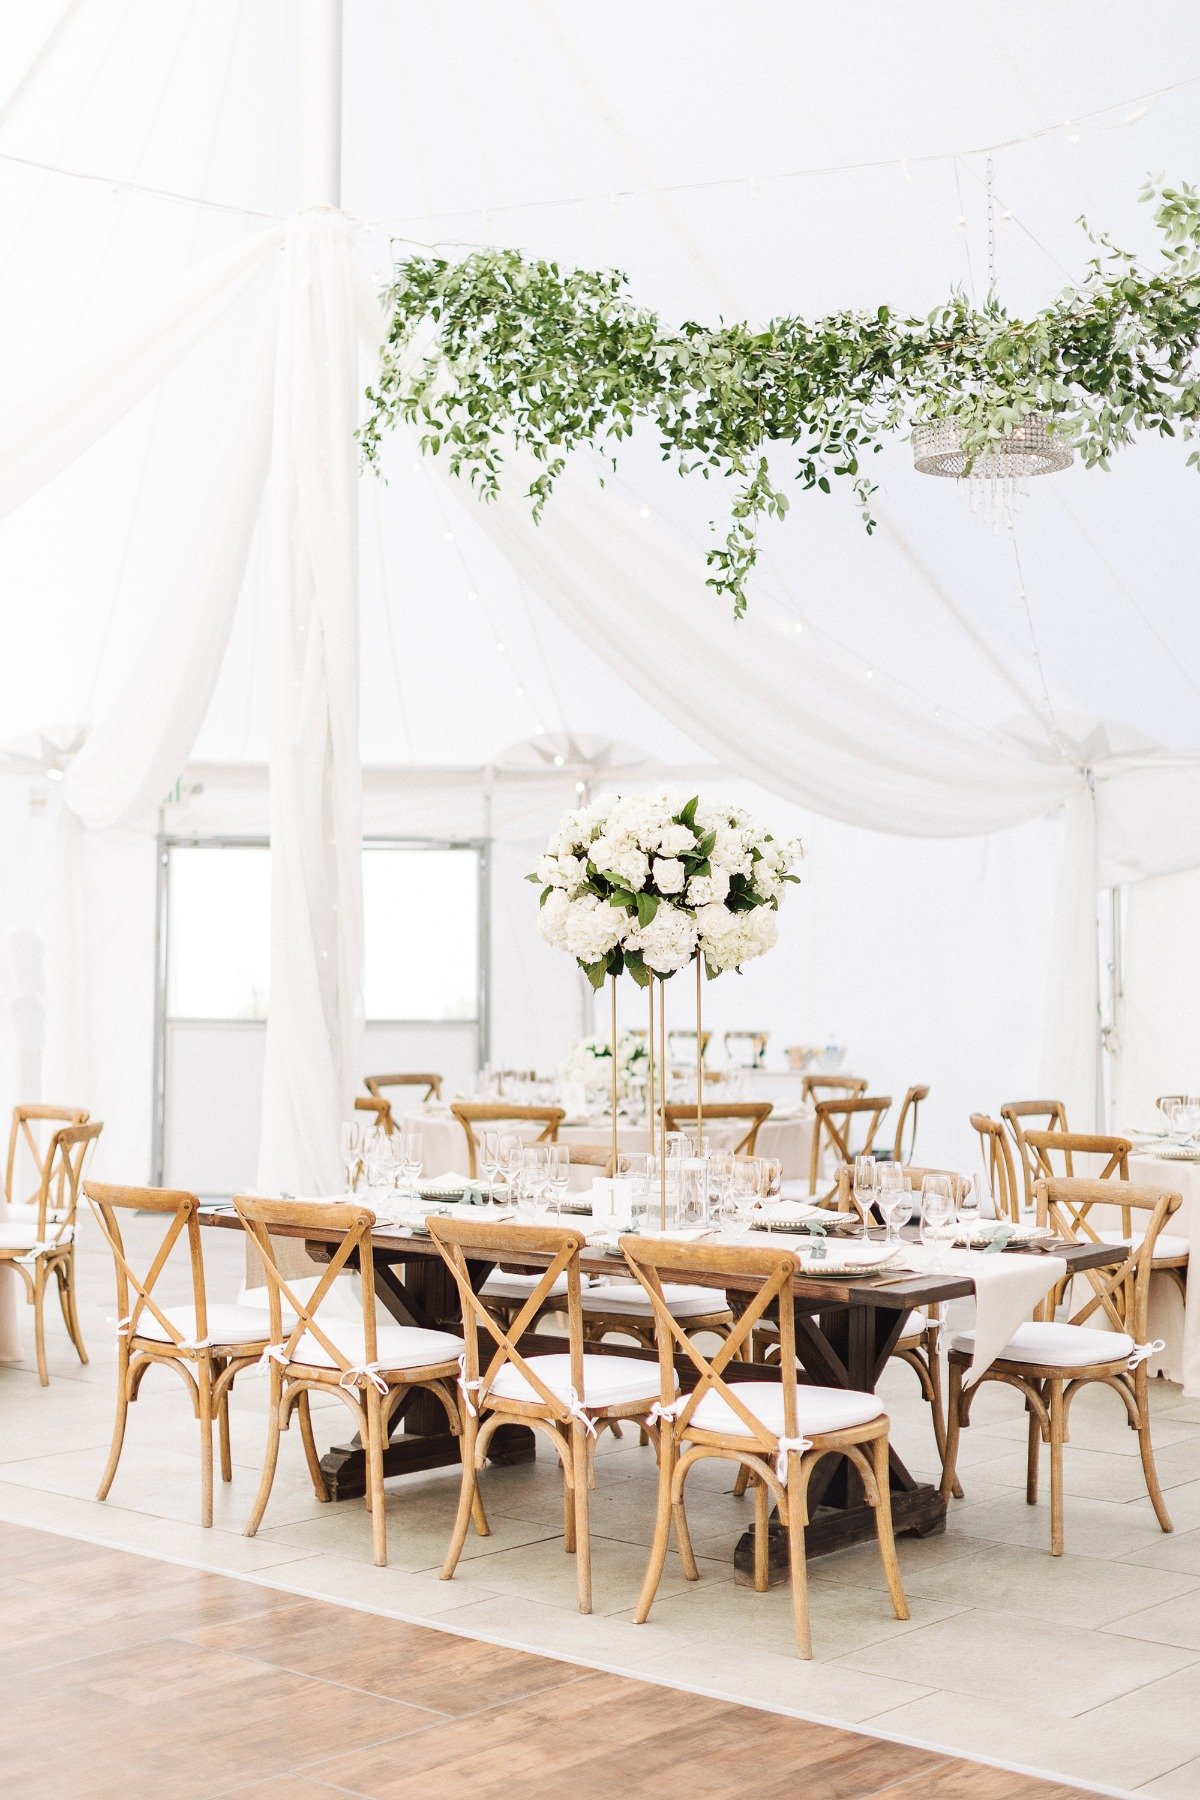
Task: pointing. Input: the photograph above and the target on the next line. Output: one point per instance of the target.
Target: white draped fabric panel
(314, 1026)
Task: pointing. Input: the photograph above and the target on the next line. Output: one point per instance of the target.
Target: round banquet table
(444, 1144)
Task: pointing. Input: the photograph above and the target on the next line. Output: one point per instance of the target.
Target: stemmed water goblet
(532, 1180)
(894, 1199)
(865, 1178)
(558, 1159)
(489, 1157)
(410, 1155)
(938, 1219)
(351, 1147)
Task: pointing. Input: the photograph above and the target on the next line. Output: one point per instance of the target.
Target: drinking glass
(743, 1189)
(865, 1181)
(633, 1165)
(410, 1156)
(720, 1181)
(489, 1157)
(350, 1145)
(938, 1221)
(533, 1179)
(895, 1201)
(510, 1161)
(558, 1159)
(770, 1177)
(970, 1202)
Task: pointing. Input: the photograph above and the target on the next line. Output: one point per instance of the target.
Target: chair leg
(683, 1541)
(118, 1437)
(937, 1406)
(568, 1514)
(661, 1540)
(1033, 1459)
(797, 1561)
(223, 1437)
(466, 1497)
(1054, 1394)
(66, 1294)
(271, 1456)
(953, 1429)
(39, 1320)
(1147, 1450)
(304, 1416)
(204, 1383)
(883, 1527)
(583, 1544)
(743, 1480)
(376, 1438)
(762, 1519)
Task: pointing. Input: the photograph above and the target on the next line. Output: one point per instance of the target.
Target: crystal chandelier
(998, 471)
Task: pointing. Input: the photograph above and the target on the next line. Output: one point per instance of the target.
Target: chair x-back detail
(904, 1145)
(776, 1431)
(473, 1113)
(999, 1167)
(37, 1237)
(368, 1366)
(1049, 1362)
(752, 1114)
(837, 1122)
(207, 1345)
(1032, 1115)
(380, 1111)
(566, 1397)
(830, 1087)
(432, 1084)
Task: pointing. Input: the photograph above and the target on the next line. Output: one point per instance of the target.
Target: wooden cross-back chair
(775, 1430)
(368, 1366)
(904, 1144)
(23, 1144)
(835, 1122)
(1171, 1250)
(1049, 1362)
(1032, 1115)
(506, 1290)
(681, 1043)
(37, 1238)
(566, 1396)
(379, 1109)
(752, 1114)
(375, 1084)
(473, 1113)
(999, 1167)
(206, 1345)
(829, 1087)
(757, 1041)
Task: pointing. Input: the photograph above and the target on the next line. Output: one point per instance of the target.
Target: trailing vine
(499, 349)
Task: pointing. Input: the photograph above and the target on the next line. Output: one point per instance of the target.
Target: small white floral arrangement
(590, 1062)
(640, 882)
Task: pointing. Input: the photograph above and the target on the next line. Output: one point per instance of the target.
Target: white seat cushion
(1165, 1245)
(503, 1284)
(913, 1326)
(1056, 1346)
(607, 1380)
(227, 1324)
(26, 1214)
(817, 1409)
(630, 1297)
(398, 1346)
(22, 1234)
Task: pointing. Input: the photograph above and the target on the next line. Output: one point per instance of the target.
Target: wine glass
(970, 1204)
(864, 1188)
(410, 1155)
(894, 1198)
(489, 1157)
(350, 1145)
(743, 1189)
(558, 1158)
(532, 1179)
(720, 1181)
(938, 1221)
(510, 1160)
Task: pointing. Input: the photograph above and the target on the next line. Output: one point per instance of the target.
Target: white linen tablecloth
(12, 1291)
(1008, 1287)
(444, 1147)
(1176, 1324)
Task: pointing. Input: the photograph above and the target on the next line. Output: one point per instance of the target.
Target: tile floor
(1086, 1668)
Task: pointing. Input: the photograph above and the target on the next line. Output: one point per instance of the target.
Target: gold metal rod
(662, 1107)
(699, 1060)
(613, 1170)
(650, 1082)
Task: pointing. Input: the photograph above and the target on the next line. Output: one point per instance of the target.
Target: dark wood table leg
(846, 1347)
(419, 1292)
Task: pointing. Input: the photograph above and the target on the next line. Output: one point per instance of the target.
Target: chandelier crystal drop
(997, 474)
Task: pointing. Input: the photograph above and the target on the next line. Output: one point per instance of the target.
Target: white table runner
(1008, 1286)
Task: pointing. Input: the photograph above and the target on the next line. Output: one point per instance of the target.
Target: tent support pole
(318, 116)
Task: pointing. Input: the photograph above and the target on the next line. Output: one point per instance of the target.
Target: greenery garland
(500, 349)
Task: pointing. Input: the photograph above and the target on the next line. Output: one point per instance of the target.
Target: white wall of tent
(999, 797)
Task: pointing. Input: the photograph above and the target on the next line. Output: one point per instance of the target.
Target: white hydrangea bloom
(592, 928)
(552, 919)
(729, 939)
(704, 890)
(667, 942)
(621, 857)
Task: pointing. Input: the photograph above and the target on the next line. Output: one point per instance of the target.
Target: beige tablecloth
(1177, 1325)
(443, 1143)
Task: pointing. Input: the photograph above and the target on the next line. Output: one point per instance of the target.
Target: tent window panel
(421, 921)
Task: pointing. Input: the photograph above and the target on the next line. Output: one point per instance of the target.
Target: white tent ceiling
(663, 140)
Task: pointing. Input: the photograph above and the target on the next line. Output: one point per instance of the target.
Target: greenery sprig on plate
(500, 349)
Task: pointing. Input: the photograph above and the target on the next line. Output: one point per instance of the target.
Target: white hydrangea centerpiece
(591, 1061)
(643, 883)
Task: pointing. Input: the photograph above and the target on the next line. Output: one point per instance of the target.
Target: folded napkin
(1007, 1289)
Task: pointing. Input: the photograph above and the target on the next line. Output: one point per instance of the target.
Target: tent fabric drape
(314, 1025)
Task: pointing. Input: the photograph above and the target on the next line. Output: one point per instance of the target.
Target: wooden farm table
(845, 1333)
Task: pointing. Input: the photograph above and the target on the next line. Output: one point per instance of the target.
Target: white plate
(848, 1259)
